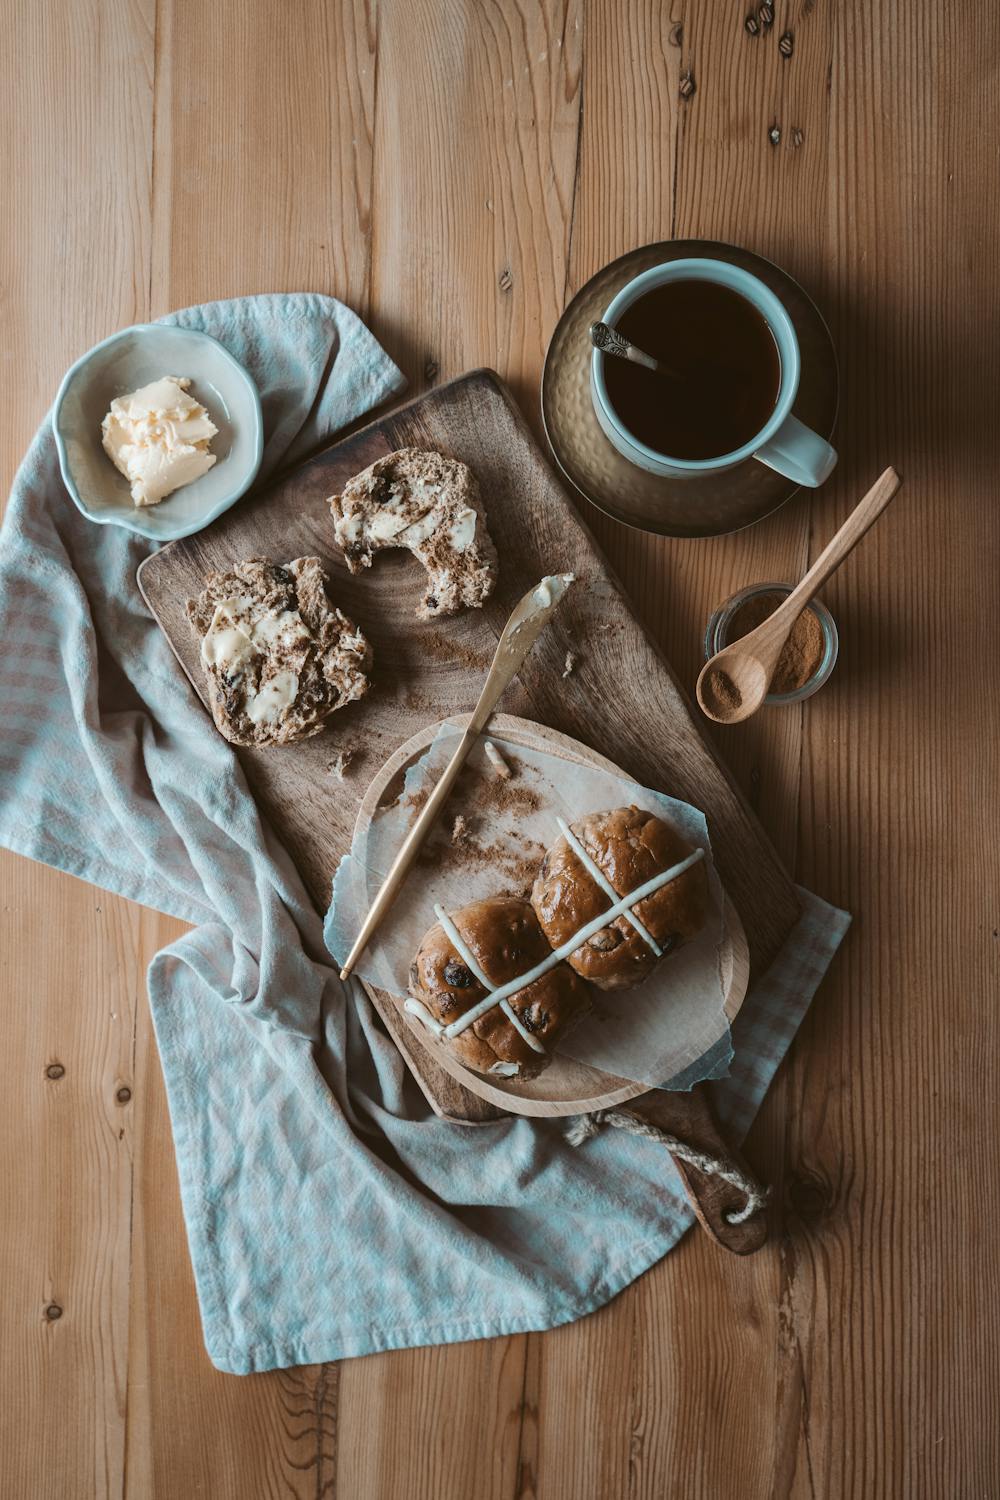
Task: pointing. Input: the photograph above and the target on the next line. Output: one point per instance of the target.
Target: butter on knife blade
(540, 601)
(526, 622)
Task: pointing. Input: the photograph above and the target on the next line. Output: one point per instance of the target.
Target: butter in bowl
(159, 430)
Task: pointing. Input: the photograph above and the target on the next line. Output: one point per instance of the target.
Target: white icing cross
(622, 906)
(468, 958)
(597, 875)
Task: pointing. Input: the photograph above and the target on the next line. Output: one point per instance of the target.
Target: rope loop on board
(584, 1127)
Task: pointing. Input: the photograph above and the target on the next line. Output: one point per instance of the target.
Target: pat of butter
(349, 529)
(275, 696)
(543, 597)
(288, 628)
(226, 644)
(462, 532)
(229, 642)
(158, 438)
(386, 524)
(389, 525)
(421, 529)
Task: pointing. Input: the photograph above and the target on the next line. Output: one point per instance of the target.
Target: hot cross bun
(502, 935)
(628, 847)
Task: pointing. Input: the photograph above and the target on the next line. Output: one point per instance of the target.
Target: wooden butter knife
(522, 630)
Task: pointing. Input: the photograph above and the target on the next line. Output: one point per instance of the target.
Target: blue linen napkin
(329, 1212)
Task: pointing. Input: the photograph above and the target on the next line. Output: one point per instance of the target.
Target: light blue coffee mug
(783, 443)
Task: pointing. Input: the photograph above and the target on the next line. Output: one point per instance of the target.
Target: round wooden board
(566, 1087)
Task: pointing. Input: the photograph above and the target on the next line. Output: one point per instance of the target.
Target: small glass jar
(716, 636)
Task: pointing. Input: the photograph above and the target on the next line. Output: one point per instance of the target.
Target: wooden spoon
(734, 684)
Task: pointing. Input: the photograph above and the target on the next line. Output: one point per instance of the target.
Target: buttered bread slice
(278, 658)
(429, 504)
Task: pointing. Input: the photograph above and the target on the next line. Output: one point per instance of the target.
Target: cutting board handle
(717, 1202)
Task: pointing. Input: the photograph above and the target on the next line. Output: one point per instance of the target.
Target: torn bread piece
(341, 764)
(278, 657)
(429, 504)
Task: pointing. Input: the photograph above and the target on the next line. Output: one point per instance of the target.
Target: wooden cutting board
(621, 697)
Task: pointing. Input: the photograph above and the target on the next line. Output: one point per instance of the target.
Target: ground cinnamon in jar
(803, 651)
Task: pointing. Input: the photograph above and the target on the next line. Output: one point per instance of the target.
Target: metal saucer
(709, 506)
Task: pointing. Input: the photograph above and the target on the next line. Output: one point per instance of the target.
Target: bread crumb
(338, 767)
(497, 761)
(570, 663)
(460, 832)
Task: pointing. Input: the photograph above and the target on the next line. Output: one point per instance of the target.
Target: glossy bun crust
(629, 847)
(505, 939)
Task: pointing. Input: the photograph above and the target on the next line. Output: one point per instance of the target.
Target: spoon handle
(610, 341)
(862, 518)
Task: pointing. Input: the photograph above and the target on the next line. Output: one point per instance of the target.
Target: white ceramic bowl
(123, 363)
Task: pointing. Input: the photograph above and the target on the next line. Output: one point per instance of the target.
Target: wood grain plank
(474, 184)
(902, 814)
(207, 1433)
(698, 1317)
(66, 1184)
(643, 1381)
(581, 1442)
(474, 169)
(631, 120)
(263, 151)
(67, 968)
(57, 208)
(732, 180)
(455, 1413)
(263, 182)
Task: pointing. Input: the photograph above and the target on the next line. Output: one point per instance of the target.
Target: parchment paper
(670, 1031)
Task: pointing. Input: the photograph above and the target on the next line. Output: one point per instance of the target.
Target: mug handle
(798, 453)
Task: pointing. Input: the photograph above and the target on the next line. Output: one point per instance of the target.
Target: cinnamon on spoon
(734, 684)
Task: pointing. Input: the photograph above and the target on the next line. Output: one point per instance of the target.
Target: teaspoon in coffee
(734, 684)
(610, 341)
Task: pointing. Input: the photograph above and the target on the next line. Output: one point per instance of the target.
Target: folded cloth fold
(329, 1212)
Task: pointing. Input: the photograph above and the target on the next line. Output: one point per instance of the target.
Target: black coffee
(722, 370)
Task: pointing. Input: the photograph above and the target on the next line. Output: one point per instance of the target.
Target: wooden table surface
(454, 171)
